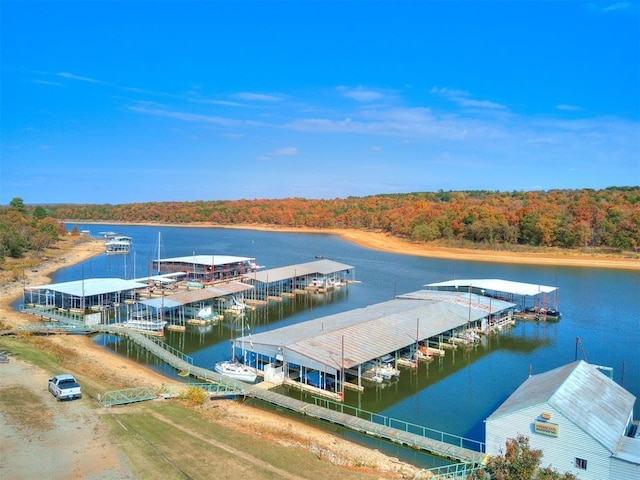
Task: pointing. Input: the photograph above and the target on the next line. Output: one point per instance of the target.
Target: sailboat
(234, 368)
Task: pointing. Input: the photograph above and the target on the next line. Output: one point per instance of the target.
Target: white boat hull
(237, 371)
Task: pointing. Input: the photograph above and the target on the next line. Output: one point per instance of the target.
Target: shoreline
(387, 243)
(65, 254)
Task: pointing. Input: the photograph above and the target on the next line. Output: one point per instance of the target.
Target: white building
(580, 419)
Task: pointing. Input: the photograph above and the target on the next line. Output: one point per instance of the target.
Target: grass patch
(166, 438)
(33, 350)
(54, 358)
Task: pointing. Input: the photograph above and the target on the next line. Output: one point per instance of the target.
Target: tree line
(26, 229)
(586, 218)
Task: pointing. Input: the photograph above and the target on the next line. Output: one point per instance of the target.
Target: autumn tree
(608, 218)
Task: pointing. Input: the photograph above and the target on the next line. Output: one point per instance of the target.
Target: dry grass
(24, 410)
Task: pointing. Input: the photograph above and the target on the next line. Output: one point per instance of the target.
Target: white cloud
(71, 76)
(46, 82)
(616, 6)
(359, 94)
(463, 99)
(185, 116)
(570, 108)
(285, 151)
(259, 97)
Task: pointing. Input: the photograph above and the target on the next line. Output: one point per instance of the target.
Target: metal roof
(629, 450)
(206, 259)
(320, 267)
(370, 332)
(496, 285)
(164, 278)
(582, 394)
(91, 286)
(200, 295)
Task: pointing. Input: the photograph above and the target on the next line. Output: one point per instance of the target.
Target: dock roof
(496, 285)
(206, 259)
(199, 295)
(318, 267)
(581, 393)
(354, 337)
(91, 286)
(162, 278)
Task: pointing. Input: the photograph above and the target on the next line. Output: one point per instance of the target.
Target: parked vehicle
(64, 386)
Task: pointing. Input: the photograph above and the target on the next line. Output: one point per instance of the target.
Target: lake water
(456, 394)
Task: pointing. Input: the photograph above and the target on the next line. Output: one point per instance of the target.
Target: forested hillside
(26, 229)
(608, 218)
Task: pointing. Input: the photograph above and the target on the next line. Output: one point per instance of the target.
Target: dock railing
(174, 351)
(57, 314)
(413, 428)
(449, 472)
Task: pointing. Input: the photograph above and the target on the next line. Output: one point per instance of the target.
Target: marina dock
(396, 431)
(370, 427)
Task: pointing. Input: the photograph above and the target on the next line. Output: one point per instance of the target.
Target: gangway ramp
(418, 439)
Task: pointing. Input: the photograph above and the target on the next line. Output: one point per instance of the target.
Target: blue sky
(119, 102)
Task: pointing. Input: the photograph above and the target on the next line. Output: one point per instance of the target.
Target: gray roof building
(579, 417)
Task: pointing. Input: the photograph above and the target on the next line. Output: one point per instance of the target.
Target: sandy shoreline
(387, 243)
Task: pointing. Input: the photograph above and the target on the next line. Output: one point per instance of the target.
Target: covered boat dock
(91, 300)
(134, 303)
(200, 306)
(331, 346)
(530, 298)
(317, 276)
(207, 269)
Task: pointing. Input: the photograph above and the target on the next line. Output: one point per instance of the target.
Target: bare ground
(44, 438)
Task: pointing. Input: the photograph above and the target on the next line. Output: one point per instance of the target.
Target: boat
(386, 367)
(143, 320)
(117, 244)
(237, 306)
(469, 336)
(318, 283)
(544, 312)
(236, 370)
(379, 370)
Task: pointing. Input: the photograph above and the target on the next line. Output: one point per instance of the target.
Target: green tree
(13, 232)
(17, 203)
(39, 213)
(521, 462)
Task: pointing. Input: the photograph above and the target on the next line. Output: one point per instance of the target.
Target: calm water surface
(456, 394)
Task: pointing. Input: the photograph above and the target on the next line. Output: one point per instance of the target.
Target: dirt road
(44, 438)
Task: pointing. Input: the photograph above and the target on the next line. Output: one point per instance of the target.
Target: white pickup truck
(64, 386)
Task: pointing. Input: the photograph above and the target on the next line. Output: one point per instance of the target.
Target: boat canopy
(496, 285)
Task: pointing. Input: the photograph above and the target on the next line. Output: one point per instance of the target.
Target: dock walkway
(368, 427)
(184, 363)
